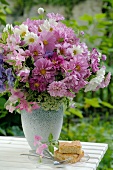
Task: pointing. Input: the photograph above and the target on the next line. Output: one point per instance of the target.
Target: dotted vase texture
(41, 123)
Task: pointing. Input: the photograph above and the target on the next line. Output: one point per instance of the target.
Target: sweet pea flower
(23, 74)
(95, 82)
(37, 140)
(40, 145)
(41, 148)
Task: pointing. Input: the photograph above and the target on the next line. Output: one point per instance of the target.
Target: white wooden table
(12, 147)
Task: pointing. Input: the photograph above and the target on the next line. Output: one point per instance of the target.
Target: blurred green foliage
(23, 6)
(4, 10)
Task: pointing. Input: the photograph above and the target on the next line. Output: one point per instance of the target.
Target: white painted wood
(12, 147)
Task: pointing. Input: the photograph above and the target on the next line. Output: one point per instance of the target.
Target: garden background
(92, 119)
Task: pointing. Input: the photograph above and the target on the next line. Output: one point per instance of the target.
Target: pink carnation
(57, 89)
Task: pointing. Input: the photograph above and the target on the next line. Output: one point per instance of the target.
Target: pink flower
(34, 105)
(48, 40)
(94, 60)
(44, 68)
(37, 140)
(10, 108)
(62, 49)
(13, 42)
(16, 56)
(24, 105)
(40, 146)
(74, 83)
(103, 57)
(57, 60)
(24, 73)
(57, 89)
(38, 83)
(40, 149)
(36, 50)
(105, 82)
(79, 66)
(33, 25)
(57, 17)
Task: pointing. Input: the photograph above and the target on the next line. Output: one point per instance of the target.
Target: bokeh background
(92, 118)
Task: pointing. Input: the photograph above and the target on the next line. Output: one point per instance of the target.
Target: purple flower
(38, 83)
(49, 54)
(10, 77)
(2, 70)
(2, 86)
(81, 32)
(103, 57)
(94, 60)
(44, 68)
(1, 58)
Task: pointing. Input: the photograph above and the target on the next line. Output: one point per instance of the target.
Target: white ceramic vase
(41, 123)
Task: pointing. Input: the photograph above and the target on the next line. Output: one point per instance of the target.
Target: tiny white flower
(30, 38)
(95, 82)
(22, 30)
(76, 50)
(7, 27)
(48, 25)
(40, 10)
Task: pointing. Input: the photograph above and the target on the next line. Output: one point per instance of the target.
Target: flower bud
(40, 10)
(81, 32)
(103, 57)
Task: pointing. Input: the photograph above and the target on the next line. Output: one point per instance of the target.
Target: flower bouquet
(43, 63)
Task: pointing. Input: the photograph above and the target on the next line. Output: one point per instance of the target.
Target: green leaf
(4, 2)
(2, 131)
(87, 17)
(94, 102)
(51, 148)
(107, 104)
(67, 113)
(4, 113)
(50, 138)
(2, 102)
(8, 11)
(4, 36)
(100, 16)
(3, 22)
(76, 112)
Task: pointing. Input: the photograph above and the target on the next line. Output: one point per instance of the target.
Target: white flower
(48, 25)
(40, 10)
(95, 82)
(30, 38)
(76, 50)
(7, 27)
(22, 30)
